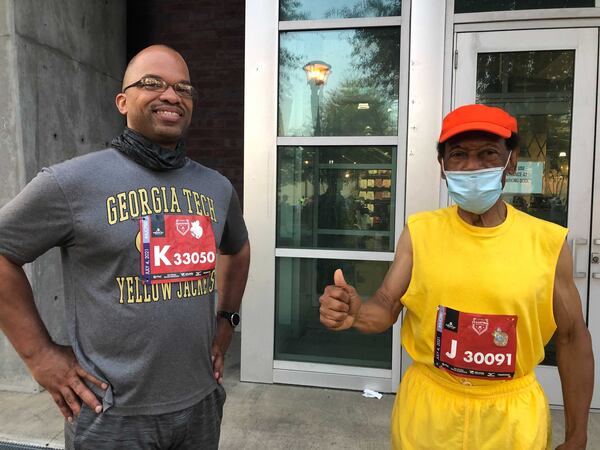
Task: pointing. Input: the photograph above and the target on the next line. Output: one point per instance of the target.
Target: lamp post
(316, 77)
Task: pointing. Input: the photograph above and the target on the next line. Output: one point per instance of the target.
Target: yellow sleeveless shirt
(508, 269)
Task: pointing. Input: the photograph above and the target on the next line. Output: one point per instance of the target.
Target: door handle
(596, 259)
(577, 242)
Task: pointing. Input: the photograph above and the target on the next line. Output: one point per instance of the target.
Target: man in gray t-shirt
(139, 226)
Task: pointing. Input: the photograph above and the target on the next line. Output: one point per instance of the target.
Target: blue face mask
(475, 191)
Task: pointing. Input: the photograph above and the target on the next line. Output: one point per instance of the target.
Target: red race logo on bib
(475, 345)
(176, 248)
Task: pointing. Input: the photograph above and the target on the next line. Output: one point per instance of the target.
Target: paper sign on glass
(527, 179)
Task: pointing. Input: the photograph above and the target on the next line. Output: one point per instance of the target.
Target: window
(537, 88)
(338, 144)
(336, 197)
(299, 335)
(336, 9)
(469, 6)
(339, 82)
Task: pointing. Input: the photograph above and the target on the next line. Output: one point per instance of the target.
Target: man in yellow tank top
(485, 286)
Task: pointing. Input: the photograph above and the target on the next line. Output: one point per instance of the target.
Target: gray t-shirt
(150, 341)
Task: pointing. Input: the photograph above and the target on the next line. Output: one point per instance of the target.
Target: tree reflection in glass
(467, 6)
(361, 94)
(537, 88)
(337, 9)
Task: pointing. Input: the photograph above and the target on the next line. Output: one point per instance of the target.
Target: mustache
(156, 106)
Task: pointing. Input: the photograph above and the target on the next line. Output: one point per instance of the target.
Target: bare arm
(53, 366)
(232, 274)
(19, 318)
(342, 308)
(574, 353)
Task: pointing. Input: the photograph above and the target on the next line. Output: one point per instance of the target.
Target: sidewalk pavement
(256, 416)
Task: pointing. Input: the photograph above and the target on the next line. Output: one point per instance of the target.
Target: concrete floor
(257, 416)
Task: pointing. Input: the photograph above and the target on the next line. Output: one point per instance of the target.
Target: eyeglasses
(155, 84)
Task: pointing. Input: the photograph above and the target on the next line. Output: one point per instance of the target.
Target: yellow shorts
(432, 412)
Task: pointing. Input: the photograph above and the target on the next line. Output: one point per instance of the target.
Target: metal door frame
(585, 43)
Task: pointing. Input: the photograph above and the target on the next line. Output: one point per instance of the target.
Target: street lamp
(316, 77)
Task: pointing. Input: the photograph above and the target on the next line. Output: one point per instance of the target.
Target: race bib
(475, 345)
(176, 248)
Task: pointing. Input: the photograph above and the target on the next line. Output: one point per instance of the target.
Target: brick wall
(210, 36)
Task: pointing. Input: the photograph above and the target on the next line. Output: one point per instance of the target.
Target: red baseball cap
(478, 118)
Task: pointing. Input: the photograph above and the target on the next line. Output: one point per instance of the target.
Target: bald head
(147, 59)
(163, 116)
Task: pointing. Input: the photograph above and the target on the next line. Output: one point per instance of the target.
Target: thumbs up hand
(338, 278)
(340, 304)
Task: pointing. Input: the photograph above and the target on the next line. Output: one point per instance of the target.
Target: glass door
(547, 79)
(338, 183)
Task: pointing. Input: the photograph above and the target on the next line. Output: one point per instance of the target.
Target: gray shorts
(196, 427)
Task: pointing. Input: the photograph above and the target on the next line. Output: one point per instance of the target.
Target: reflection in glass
(336, 9)
(317, 73)
(299, 335)
(336, 197)
(537, 88)
(467, 6)
(358, 97)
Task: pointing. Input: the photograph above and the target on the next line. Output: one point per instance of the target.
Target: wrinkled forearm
(576, 368)
(377, 314)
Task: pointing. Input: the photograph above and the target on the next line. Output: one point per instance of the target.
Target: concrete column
(62, 62)
(13, 374)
